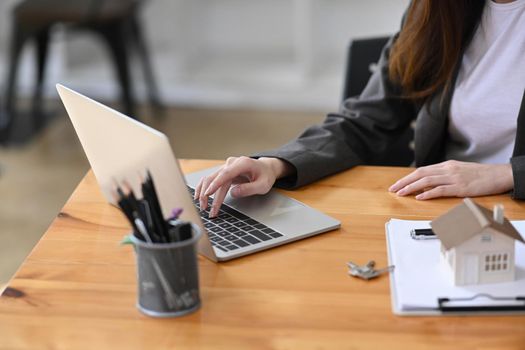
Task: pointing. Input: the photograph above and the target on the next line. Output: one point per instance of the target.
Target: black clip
(514, 304)
(422, 233)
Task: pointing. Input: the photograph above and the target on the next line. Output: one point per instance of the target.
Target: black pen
(130, 196)
(150, 222)
(124, 205)
(139, 211)
(150, 185)
(154, 211)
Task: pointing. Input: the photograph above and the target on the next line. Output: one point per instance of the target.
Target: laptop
(120, 148)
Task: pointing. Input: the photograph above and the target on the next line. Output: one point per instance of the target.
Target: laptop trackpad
(279, 212)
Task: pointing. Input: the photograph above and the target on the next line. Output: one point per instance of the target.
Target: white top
(489, 88)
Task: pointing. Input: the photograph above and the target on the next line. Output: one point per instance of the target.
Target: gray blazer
(368, 128)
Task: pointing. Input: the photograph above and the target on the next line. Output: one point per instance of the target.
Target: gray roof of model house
(466, 220)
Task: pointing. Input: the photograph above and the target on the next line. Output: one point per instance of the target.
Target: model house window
(486, 237)
(496, 262)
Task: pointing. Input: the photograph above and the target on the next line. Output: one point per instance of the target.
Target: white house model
(477, 244)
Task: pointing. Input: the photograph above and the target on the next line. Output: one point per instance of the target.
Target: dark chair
(115, 21)
(363, 55)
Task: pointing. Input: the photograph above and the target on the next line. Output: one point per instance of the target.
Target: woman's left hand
(455, 179)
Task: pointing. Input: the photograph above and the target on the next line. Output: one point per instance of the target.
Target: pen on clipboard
(422, 234)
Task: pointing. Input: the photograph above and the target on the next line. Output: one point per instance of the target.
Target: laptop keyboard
(231, 230)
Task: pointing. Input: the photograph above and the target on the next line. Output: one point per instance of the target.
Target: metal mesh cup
(168, 276)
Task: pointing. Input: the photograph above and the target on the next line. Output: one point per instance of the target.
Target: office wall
(226, 53)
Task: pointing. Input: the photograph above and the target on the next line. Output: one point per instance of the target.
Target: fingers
(425, 182)
(202, 186)
(248, 175)
(219, 199)
(403, 182)
(415, 176)
(203, 197)
(250, 188)
(198, 189)
(447, 179)
(440, 191)
(241, 166)
(239, 190)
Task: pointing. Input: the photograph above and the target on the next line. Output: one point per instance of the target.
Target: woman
(456, 68)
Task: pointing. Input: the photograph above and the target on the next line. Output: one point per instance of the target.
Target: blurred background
(240, 75)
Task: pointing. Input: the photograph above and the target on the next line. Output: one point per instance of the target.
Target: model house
(477, 244)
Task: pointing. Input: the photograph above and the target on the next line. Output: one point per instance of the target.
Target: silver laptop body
(119, 148)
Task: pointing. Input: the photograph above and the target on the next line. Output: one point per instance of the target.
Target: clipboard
(421, 284)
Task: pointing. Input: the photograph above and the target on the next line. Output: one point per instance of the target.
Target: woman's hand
(246, 176)
(455, 179)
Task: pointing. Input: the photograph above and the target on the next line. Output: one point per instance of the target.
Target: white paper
(420, 277)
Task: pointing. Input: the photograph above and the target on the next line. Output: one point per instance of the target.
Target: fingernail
(401, 192)
(235, 192)
(419, 197)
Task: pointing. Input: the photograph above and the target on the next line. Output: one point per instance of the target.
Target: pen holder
(168, 276)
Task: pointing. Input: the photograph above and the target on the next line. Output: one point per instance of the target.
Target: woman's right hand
(246, 177)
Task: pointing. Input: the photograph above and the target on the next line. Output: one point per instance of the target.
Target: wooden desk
(77, 289)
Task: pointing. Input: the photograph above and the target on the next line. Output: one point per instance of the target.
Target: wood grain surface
(77, 289)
